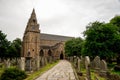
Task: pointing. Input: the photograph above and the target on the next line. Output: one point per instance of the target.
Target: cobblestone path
(62, 71)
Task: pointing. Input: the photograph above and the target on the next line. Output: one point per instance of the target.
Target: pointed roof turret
(33, 11)
(32, 24)
(33, 16)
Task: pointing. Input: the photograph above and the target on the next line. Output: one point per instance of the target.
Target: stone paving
(62, 71)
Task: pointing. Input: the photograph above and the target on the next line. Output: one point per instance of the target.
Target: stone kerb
(87, 66)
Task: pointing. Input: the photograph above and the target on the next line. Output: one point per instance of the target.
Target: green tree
(9, 49)
(4, 45)
(16, 45)
(116, 21)
(15, 48)
(73, 47)
(100, 40)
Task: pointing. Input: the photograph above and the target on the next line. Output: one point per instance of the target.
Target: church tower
(31, 38)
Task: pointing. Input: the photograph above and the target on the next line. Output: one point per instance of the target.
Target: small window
(34, 20)
(33, 50)
(28, 54)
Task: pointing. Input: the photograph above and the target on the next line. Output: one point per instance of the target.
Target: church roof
(54, 37)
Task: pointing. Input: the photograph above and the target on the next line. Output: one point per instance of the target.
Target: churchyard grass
(1, 70)
(93, 74)
(41, 71)
(111, 68)
(115, 72)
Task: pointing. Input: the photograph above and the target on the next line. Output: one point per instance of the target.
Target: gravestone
(83, 62)
(87, 66)
(37, 62)
(97, 64)
(7, 63)
(75, 61)
(33, 64)
(28, 66)
(71, 59)
(103, 68)
(0, 60)
(50, 59)
(21, 63)
(92, 65)
(13, 62)
(45, 60)
(42, 62)
(79, 65)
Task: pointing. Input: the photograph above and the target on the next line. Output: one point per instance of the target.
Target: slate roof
(45, 36)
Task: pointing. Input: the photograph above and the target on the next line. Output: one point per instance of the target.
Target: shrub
(117, 68)
(13, 74)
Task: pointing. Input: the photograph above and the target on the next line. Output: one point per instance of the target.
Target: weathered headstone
(37, 61)
(71, 59)
(0, 60)
(103, 68)
(50, 59)
(28, 66)
(42, 62)
(7, 63)
(21, 63)
(87, 65)
(33, 64)
(75, 61)
(79, 65)
(83, 62)
(45, 60)
(92, 65)
(97, 63)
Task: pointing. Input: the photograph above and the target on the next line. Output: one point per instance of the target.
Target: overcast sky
(61, 17)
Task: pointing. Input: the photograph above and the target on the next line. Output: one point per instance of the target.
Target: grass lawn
(1, 70)
(111, 68)
(115, 72)
(41, 71)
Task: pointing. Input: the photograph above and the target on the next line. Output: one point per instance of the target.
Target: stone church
(36, 45)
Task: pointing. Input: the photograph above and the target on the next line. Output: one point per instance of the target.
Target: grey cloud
(70, 20)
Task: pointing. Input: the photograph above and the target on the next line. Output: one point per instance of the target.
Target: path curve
(62, 71)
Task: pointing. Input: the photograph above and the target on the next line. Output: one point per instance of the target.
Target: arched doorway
(61, 56)
(49, 53)
(50, 56)
(41, 53)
